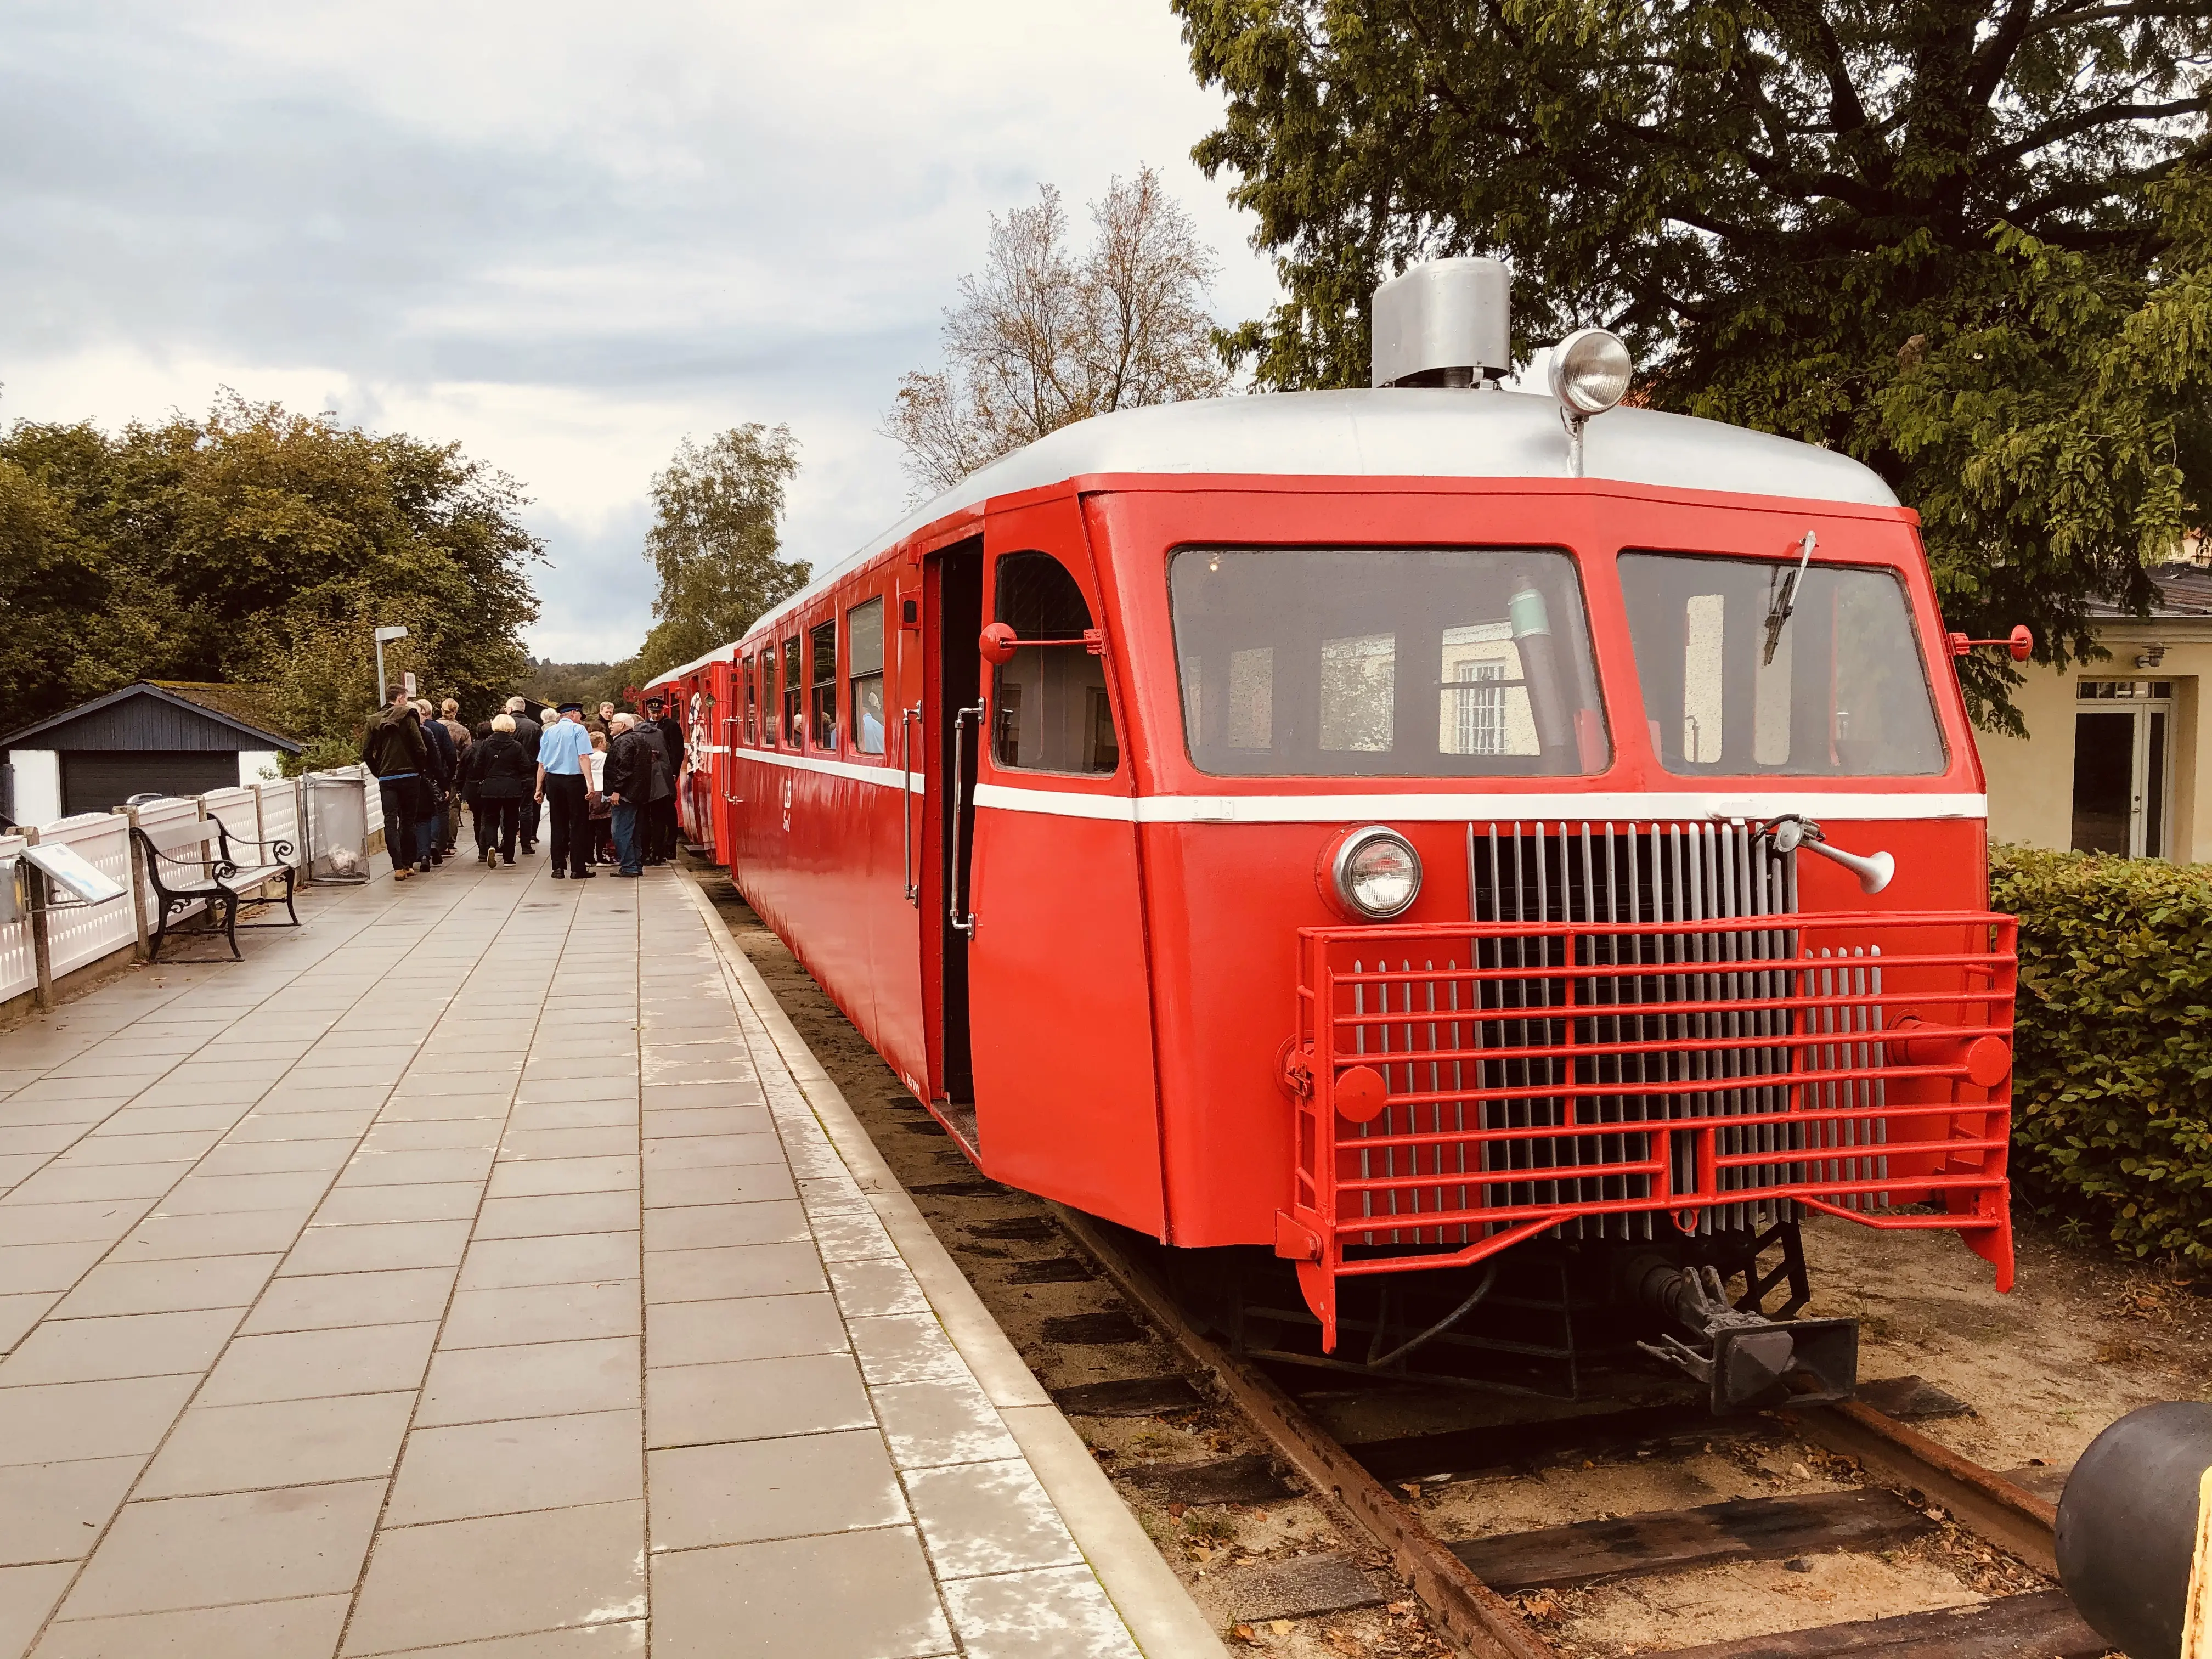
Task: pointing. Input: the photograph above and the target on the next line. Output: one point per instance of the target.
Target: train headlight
(1590, 371)
(1376, 873)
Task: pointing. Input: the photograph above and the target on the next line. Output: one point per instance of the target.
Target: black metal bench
(214, 878)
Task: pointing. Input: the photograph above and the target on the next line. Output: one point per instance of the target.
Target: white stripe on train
(1609, 805)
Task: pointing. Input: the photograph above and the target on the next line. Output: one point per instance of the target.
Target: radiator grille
(1637, 1031)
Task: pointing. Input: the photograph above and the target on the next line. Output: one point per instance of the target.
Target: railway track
(1311, 1520)
(1465, 1584)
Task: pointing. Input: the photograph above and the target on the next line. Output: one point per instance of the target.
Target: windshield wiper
(1785, 600)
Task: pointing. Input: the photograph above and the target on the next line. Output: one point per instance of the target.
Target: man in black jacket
(444, 777)
(666, 827)
(653, 791)
(527, 732)
(393, 750)
(629, 781)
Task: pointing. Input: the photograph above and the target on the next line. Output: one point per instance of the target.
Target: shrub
(2112, 1079)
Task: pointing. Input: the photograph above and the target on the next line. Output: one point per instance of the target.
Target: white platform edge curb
(1163, 1619)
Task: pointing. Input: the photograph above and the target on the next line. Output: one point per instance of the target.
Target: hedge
(2112, 1073)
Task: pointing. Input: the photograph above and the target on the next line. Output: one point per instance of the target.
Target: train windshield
(1385, 662)
(1742, 674)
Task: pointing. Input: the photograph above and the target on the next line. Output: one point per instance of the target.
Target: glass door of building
(2122, 736)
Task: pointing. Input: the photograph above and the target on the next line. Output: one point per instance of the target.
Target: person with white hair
(529, 734)
(500, 779)
(628, 778)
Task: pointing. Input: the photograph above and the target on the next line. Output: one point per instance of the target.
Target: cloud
(565, 235)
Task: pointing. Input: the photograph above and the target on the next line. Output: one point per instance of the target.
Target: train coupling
(1745, 1360)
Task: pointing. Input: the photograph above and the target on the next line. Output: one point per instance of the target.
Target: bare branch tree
(1041, 337)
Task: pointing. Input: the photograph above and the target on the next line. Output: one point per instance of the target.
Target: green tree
(715, 543)
(260, 546)
(1965, 243)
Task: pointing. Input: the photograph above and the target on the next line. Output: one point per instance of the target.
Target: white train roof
(719, 653)
(1396, 433)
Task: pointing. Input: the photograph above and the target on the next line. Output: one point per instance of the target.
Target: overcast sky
(565, 235)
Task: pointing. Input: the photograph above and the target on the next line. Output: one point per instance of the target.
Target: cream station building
(2115, 749)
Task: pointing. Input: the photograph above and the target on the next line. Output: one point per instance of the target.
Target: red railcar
(1373, 826)
(698, 700)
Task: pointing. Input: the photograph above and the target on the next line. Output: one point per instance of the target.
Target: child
(597, 813)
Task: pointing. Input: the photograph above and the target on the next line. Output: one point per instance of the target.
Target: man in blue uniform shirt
(560, 752)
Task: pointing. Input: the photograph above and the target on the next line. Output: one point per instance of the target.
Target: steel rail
(1477, 1620)
(1981, 1500)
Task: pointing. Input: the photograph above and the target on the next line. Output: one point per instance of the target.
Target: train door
(1060, 1008)
(952, 619)
(717, 757)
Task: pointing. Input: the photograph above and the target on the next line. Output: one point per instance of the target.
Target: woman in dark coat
(500, 775)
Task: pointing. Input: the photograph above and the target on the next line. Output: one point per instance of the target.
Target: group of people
(605, 787)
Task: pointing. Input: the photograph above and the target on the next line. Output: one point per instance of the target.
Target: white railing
(235, 808)
(78, 936)
(280, 815)
(320, 813)
(19, 950)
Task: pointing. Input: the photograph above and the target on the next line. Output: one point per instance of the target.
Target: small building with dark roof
(155, 737)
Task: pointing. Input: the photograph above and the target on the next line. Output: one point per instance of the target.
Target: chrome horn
(1787, 833)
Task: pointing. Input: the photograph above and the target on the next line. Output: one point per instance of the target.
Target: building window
(2123, 766)
(1476, 707)
(795, 696)
(864, 667)
(823, 642)
(2122, 690)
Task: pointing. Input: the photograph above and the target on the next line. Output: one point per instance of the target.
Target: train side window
(795, 696)
(752, 700)
(864, 667)
(1050, 712)
(822, 644)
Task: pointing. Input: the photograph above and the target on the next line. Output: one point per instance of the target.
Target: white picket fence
(278, 807)
(75, 937)
(19, 952)
(315, 815)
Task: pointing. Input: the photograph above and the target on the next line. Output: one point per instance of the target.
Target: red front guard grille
(1460, 1088)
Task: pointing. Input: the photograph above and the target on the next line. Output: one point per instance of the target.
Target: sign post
(391, 631)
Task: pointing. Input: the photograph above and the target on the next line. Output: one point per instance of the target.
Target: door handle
(960, 924)
(908, 719)
(731, 749)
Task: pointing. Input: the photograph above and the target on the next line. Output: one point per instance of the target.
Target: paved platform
(469, 1271)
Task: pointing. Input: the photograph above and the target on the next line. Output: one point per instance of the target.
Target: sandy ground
(2082, 1339)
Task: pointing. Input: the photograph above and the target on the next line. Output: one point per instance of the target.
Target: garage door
(94, 780)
